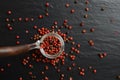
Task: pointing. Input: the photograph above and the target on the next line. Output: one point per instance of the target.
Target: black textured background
(106, 36)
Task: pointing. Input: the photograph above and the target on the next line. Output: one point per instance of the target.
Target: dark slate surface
(106, 36)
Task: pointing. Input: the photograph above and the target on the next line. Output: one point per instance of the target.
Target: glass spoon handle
(14, 50)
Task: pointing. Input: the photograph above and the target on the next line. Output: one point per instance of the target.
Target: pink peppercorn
(94, 71)
(2, 69)
(7, 20)
(47, 4)
(82, 73)
(46, 78)
(70, 27)
(65, 21)
(92, 30)
(72, 11)
(100, 55)
(32, 19)
(72, 57)
(69, 68)
(84, 31)
(9, 12)
(26, 31)
(46, 67)
(35, 27)
(77, 51)
(40, 16)
(8, 65)
(86, 2)
(26, 19)
(17, 42)
(70, 78)
(17, 37)
(82, 24)
(82, 69)
(10, 28)
(19, 19)
(86, 9)
(67, 5)
(104, 54)
(30, 66)
(55, 22)
(20, 78)
(30, 73)
(47, 14)
(73, 64)
(78, 45)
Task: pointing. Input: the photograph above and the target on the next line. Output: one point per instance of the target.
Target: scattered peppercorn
(2, 69)
(84, 31)
(17, 42)
(85, 16)
(17, 36)
(92, 30)
(86, 9)
(9, 12)
(40, 16)
(67, 5)
(20, 78)
(72, 11)
(70, 78)
(86, 2)
(47, 4)
(82, 24)
(94, 71)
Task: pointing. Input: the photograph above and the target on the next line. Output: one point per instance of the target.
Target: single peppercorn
(84, 31)
(82, 24)
(47, 4)
(19, 19)
(8, 65)
(9, 12)
(72, 11)
(75, 1)
(40, 16)
(26, 19)
(86, 9)
(70, 78)
(10, 28)
(35, 27)
(94, 71)
(69, 68)
(92, 30)
(2, 69)
(86, 2)
(17, 36)
(46, 67)
(85, 16)
(67, 5)
(17, 42)
(47, 14)
(78, 45)
(26, 31)
(91, 44)
(32, 19)
(104, 54)
(7, 19)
